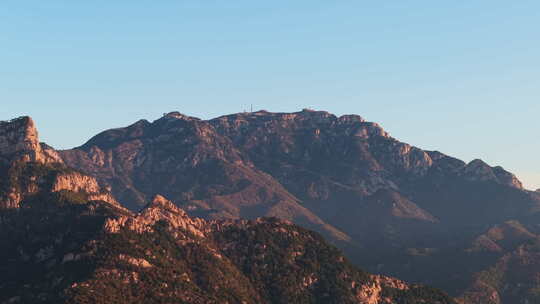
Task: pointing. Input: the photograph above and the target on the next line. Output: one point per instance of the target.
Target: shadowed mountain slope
(61, 243)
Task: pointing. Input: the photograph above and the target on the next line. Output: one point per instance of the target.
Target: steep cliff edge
(29, 168)
(19, 142)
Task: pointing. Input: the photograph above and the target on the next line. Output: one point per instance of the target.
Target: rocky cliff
(160, 209)
(19, 142)
(29, 168)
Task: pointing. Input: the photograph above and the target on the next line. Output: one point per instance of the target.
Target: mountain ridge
(391, 206)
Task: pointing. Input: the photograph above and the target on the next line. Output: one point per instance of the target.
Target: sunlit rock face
(29, 168)
(19, 142)
(75, 182)
(26, 180)
(160, 209)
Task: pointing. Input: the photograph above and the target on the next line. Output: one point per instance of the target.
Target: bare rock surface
(19, 141)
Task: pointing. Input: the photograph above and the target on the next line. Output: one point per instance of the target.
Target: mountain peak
(351, 118)
(478, 170)
(178, 115)
(19, 141)
(477, 163)
(160, 209)
(160, 201)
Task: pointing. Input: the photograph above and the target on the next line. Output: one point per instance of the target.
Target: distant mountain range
(65, 239)
(468, 228)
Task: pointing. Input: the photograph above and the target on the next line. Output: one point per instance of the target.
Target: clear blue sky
(462, 77)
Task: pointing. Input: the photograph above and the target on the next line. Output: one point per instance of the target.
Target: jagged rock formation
(477, 170)
(23, 180)
(29, 168)
(19, 142)
(67, 250)
(160, 209)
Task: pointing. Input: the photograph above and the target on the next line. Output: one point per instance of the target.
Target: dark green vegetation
(56, 248)
(19, 175)
(33, 182)
(36, 238)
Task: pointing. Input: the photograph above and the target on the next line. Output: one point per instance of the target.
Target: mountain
(394, 209)
(65, 239)
(94, 252)
(19, 141)
(22, 156)
(514, 267)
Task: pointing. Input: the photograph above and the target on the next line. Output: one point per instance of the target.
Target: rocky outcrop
(477, 170)
(160, 209)
(105, 197)
(19, 142)
(374, 293)
(76, 182)
(28, 167)
(137, 262)
(29, 180)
